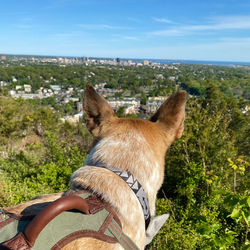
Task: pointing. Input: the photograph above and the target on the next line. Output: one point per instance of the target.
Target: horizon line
(128, 58)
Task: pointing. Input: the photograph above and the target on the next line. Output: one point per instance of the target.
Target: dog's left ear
(171, 113)
(96, 108)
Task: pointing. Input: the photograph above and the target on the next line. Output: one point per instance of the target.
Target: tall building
(3, 57)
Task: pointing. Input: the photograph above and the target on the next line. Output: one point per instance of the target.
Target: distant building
(74, 99)
(12, 92)
(72, 118)
(19, 94)
(160, 76)
(3, 57)
(59, 59)
(2, 83)
(79, 107)
(100, 85)
(157, 98)
(66, 60)
(131, 104)
(18, 87)
(172, 78)
(85, 59)
(154, 103)
(14, 79)
(69, 90)
(27, 88)
(130, 110)
(55, 87)
(118, 60)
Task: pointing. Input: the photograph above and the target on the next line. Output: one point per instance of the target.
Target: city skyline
(180, 30)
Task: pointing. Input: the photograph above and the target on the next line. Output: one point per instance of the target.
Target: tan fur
(35, 205)
(91, 243)
(134, 145)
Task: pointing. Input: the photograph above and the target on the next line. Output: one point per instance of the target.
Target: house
(27, 88)
(74, 99)
(72, 118)
(69, 90)
(14, 79)
(130, 103)
(12, 93)
(172, 78)
(154, 103)
(18, 87)
(79, 107)
(55, 87)
(160, 76)
(2, 83)
(130, 110)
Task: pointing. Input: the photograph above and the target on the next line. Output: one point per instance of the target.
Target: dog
(133, 146)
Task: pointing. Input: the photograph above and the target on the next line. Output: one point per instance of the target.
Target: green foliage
(193, 78)
(143, 98)
(206, 176)
(51, 174)
(206, 179)
(18, 118)
(42, 152)
(174, 234)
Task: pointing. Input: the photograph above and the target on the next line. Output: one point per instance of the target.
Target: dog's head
(135, 145)
(160, 131)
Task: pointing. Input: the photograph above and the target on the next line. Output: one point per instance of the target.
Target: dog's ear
(171, 113)
(96, 108)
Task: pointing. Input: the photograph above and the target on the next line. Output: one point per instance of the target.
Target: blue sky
(165, 29)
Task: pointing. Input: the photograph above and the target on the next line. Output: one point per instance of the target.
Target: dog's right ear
(171, 114)
(96, 108)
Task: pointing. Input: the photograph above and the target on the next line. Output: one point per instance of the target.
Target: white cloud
(67, 35)
(162, 20)
(130, 38)
(169, 32)
(231, 22)
(219, 23)
(101, 26)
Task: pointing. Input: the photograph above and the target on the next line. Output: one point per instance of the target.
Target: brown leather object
(19, 242)
(50, 212)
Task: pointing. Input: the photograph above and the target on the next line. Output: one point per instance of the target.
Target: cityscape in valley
(166, 78)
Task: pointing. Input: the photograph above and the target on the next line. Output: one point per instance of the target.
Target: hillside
(206, 187)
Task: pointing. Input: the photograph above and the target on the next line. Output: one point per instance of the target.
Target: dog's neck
(117, 193)
(136, 187)
(131, 152)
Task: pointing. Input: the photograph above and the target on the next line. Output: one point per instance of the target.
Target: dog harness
(54, 227)
(136, 187)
